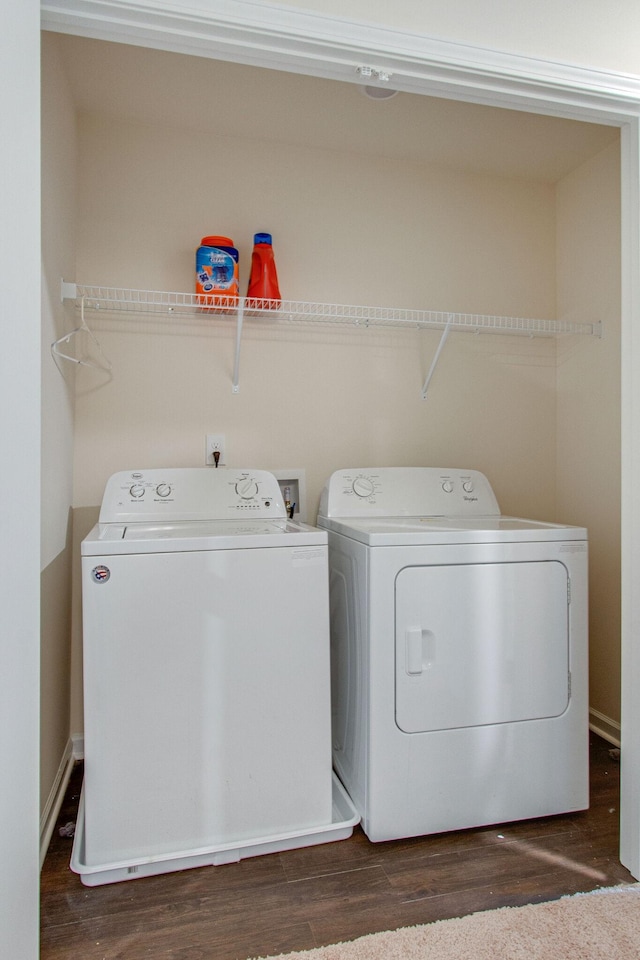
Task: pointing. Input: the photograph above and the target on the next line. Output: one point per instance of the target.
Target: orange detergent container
(263, 282)
(217, 276)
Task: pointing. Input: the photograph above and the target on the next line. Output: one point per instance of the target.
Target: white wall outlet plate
(215, 444)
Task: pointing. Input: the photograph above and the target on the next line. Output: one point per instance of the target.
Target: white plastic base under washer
(344, 819)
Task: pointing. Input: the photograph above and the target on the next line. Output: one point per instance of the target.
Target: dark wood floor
(338, 891)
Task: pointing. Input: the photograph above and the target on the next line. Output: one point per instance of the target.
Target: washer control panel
(408, 492)
(191, 493)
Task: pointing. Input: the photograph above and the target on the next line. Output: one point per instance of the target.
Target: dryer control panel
(408, 492)
(191, 493)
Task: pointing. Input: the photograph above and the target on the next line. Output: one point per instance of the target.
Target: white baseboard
(605, 727)
(54, 800)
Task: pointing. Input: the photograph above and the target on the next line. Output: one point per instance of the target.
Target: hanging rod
(99, 362)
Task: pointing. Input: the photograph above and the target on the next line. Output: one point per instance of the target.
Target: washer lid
(416, 531)
(116, 538)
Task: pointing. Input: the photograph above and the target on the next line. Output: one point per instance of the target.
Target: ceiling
(154, 86)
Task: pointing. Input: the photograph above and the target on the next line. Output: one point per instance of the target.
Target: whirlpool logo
(100, 574)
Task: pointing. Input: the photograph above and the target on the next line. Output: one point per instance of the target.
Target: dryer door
(481, 643)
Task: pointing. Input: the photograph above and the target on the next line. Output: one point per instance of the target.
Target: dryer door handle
(414, 650)
(419, 650)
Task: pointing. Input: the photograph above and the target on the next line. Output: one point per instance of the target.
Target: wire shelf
(190, 306)
(187, 305)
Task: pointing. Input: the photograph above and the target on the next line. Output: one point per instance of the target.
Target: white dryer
(206, 677)
(459, 653)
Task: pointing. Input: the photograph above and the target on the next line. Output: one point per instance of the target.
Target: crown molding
(281, 37)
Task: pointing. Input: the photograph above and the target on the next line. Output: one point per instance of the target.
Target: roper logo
(101, 574)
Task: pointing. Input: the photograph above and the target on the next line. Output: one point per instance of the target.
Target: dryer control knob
(163, 490)
(247, 489)
(447, 486)
(137, 491)
(467, 486)
(362, 487)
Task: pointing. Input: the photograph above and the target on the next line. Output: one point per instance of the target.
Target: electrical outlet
(215, 444)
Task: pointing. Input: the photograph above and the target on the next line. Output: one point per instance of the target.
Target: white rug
(602, 925)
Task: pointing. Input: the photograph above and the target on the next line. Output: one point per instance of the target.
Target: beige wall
(347, 228)
(83, 520)
(588, 473)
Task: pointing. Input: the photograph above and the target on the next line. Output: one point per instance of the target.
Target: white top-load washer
(206, 676)
(459, 653)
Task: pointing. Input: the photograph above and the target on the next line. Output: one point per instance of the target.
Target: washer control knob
(447, 486)
(163, 490)
(362, 487)
(247, 489)
(137, 490)
(467, 486)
